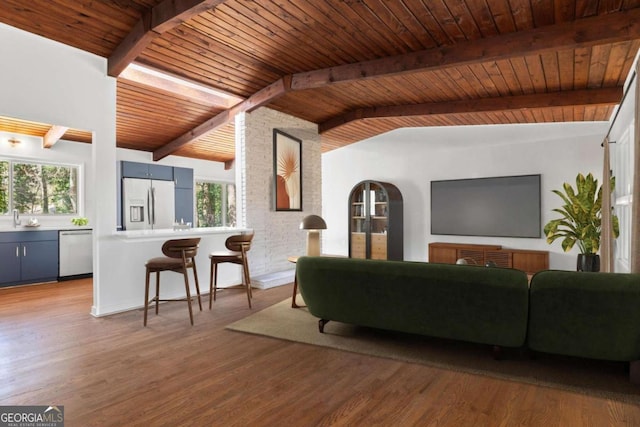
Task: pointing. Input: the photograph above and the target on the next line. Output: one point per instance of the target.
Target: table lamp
(313, 224)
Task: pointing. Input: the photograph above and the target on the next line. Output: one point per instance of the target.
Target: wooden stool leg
(247, 282)
(157, 289)
(195, 278)
(146, 298)
(215, 280)
(186, 288)
(295, 292)
(213, 266)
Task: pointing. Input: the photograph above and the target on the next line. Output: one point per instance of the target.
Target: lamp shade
(313, 222)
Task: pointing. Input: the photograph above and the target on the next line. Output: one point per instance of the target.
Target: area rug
(601, 379)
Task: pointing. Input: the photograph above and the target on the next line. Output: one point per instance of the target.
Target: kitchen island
(124, 254)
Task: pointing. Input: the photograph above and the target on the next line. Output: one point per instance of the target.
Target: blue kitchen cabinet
(30, 256)
(183, 178)
(39, 261)
(10, 256)
(146, 171)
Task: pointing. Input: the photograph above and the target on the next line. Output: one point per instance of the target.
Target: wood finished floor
(113, 372)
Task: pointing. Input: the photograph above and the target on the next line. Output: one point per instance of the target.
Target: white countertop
(136, 234)
(169, 232)
(44, 228)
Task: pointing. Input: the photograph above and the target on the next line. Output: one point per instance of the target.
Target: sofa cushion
(592, 315)
(469, 303)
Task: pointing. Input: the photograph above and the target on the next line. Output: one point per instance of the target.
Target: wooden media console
(529, 261)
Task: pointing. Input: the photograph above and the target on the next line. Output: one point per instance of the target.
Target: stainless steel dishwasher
(76, 254)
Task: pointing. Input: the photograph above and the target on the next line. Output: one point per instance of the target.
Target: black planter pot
(589, 262)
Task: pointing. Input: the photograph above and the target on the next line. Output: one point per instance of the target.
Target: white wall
(412, 158)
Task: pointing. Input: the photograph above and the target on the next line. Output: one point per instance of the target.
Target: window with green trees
(38, 188)
(215, 204)
(4, 187)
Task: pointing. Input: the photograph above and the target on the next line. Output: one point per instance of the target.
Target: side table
(294, 259)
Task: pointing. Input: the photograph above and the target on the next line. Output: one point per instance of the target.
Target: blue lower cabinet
(39, 260)
(28, 257)
(10, 256)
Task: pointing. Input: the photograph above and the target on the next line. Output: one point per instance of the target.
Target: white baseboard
(271, 280)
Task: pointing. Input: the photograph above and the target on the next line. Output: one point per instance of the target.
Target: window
(38, 188)
(215, 204)
(4, 187)
(622, 165)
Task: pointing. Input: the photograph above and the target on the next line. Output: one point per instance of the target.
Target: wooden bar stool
(237, 246)
(179, 256)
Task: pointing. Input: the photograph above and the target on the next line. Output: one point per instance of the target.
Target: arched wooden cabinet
(375, 221)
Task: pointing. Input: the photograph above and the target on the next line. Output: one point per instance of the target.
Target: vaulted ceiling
(357, 68)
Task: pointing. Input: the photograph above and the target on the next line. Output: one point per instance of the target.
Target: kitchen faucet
(16, 218)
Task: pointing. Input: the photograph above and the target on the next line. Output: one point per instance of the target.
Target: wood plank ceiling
(357, 68)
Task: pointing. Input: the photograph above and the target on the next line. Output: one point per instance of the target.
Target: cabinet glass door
(378, 211)
(378, 208)
(359, 225)
(358, 211)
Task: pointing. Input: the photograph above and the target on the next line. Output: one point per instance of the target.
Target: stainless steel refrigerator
(147, 204)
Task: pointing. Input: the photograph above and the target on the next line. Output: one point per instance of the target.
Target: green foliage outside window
(41, 189)
(215, 204)
(4, 187)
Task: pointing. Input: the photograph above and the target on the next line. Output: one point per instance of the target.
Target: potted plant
(581, 220)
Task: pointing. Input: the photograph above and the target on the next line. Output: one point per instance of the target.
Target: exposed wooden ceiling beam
(52, 136)
(153, 22)
(611, 28)
(263, 97)
(608, 96)
(614, 27)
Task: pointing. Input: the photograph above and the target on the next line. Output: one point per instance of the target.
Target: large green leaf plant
(581, 217)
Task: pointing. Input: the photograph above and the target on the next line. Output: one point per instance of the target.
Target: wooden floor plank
(112, 371)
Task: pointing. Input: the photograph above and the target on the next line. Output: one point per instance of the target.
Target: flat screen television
(506, 206)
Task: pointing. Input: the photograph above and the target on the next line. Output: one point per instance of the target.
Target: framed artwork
(287, 171)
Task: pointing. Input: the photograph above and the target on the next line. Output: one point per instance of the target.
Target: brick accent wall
(277, 234)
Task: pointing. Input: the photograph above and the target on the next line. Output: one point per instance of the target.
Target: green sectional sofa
(467, 303)
(590, 315)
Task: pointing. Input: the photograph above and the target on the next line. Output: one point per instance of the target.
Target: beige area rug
(597, 378)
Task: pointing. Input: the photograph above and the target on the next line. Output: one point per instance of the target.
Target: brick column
(277, 234)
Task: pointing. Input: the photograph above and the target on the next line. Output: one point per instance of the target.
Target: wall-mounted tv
(507, 206)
